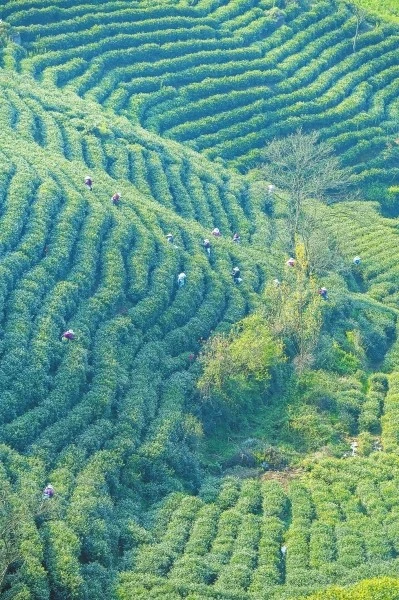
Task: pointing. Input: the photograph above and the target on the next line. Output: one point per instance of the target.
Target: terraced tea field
(171, 104)
(224, 77)
(72, 260)
(255, 540)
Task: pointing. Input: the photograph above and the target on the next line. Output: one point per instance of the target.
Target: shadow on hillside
(356, 282)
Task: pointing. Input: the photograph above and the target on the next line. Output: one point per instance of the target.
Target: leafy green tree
(294, 312)
(233, 363)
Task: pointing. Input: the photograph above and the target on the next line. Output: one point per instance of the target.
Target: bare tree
(360, 16)
(304, 168)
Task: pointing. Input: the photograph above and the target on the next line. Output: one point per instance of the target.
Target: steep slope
(225, 77)
(113, 401)
(336, 524)
(142, 98)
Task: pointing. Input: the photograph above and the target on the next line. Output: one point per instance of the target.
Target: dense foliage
(388, 10)
(338, 523)
(198, 438)
(226, 77)
(384, 588)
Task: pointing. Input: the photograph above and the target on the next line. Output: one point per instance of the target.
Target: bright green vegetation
(387, 10)
(159, 491)
(339, 523)
(384, 588)
(225, 77)
(106, 415)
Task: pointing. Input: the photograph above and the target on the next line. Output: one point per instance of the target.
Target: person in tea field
(48, 492)
(207, 245)
(171, 239)
(236, 275)
(116, 198)
(216, 232)
(89, 182)
(323, 293)
(271, 189)
(181, 279)
(236, 238)
(68, 335)
(291, 262)
(357, 260)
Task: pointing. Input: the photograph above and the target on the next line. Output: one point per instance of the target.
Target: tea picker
(181, 279)
(116, 198)
(68, 335)
(48, 492)
(236, 275)
(323, 293)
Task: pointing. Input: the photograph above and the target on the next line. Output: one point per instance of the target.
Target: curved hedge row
(106, 416)
(299, 66)
(256, 540)
(107, 413)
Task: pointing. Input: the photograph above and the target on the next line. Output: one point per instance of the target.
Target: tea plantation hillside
(160, 493)
(225, 77)
(114, 399)
(339, 524)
